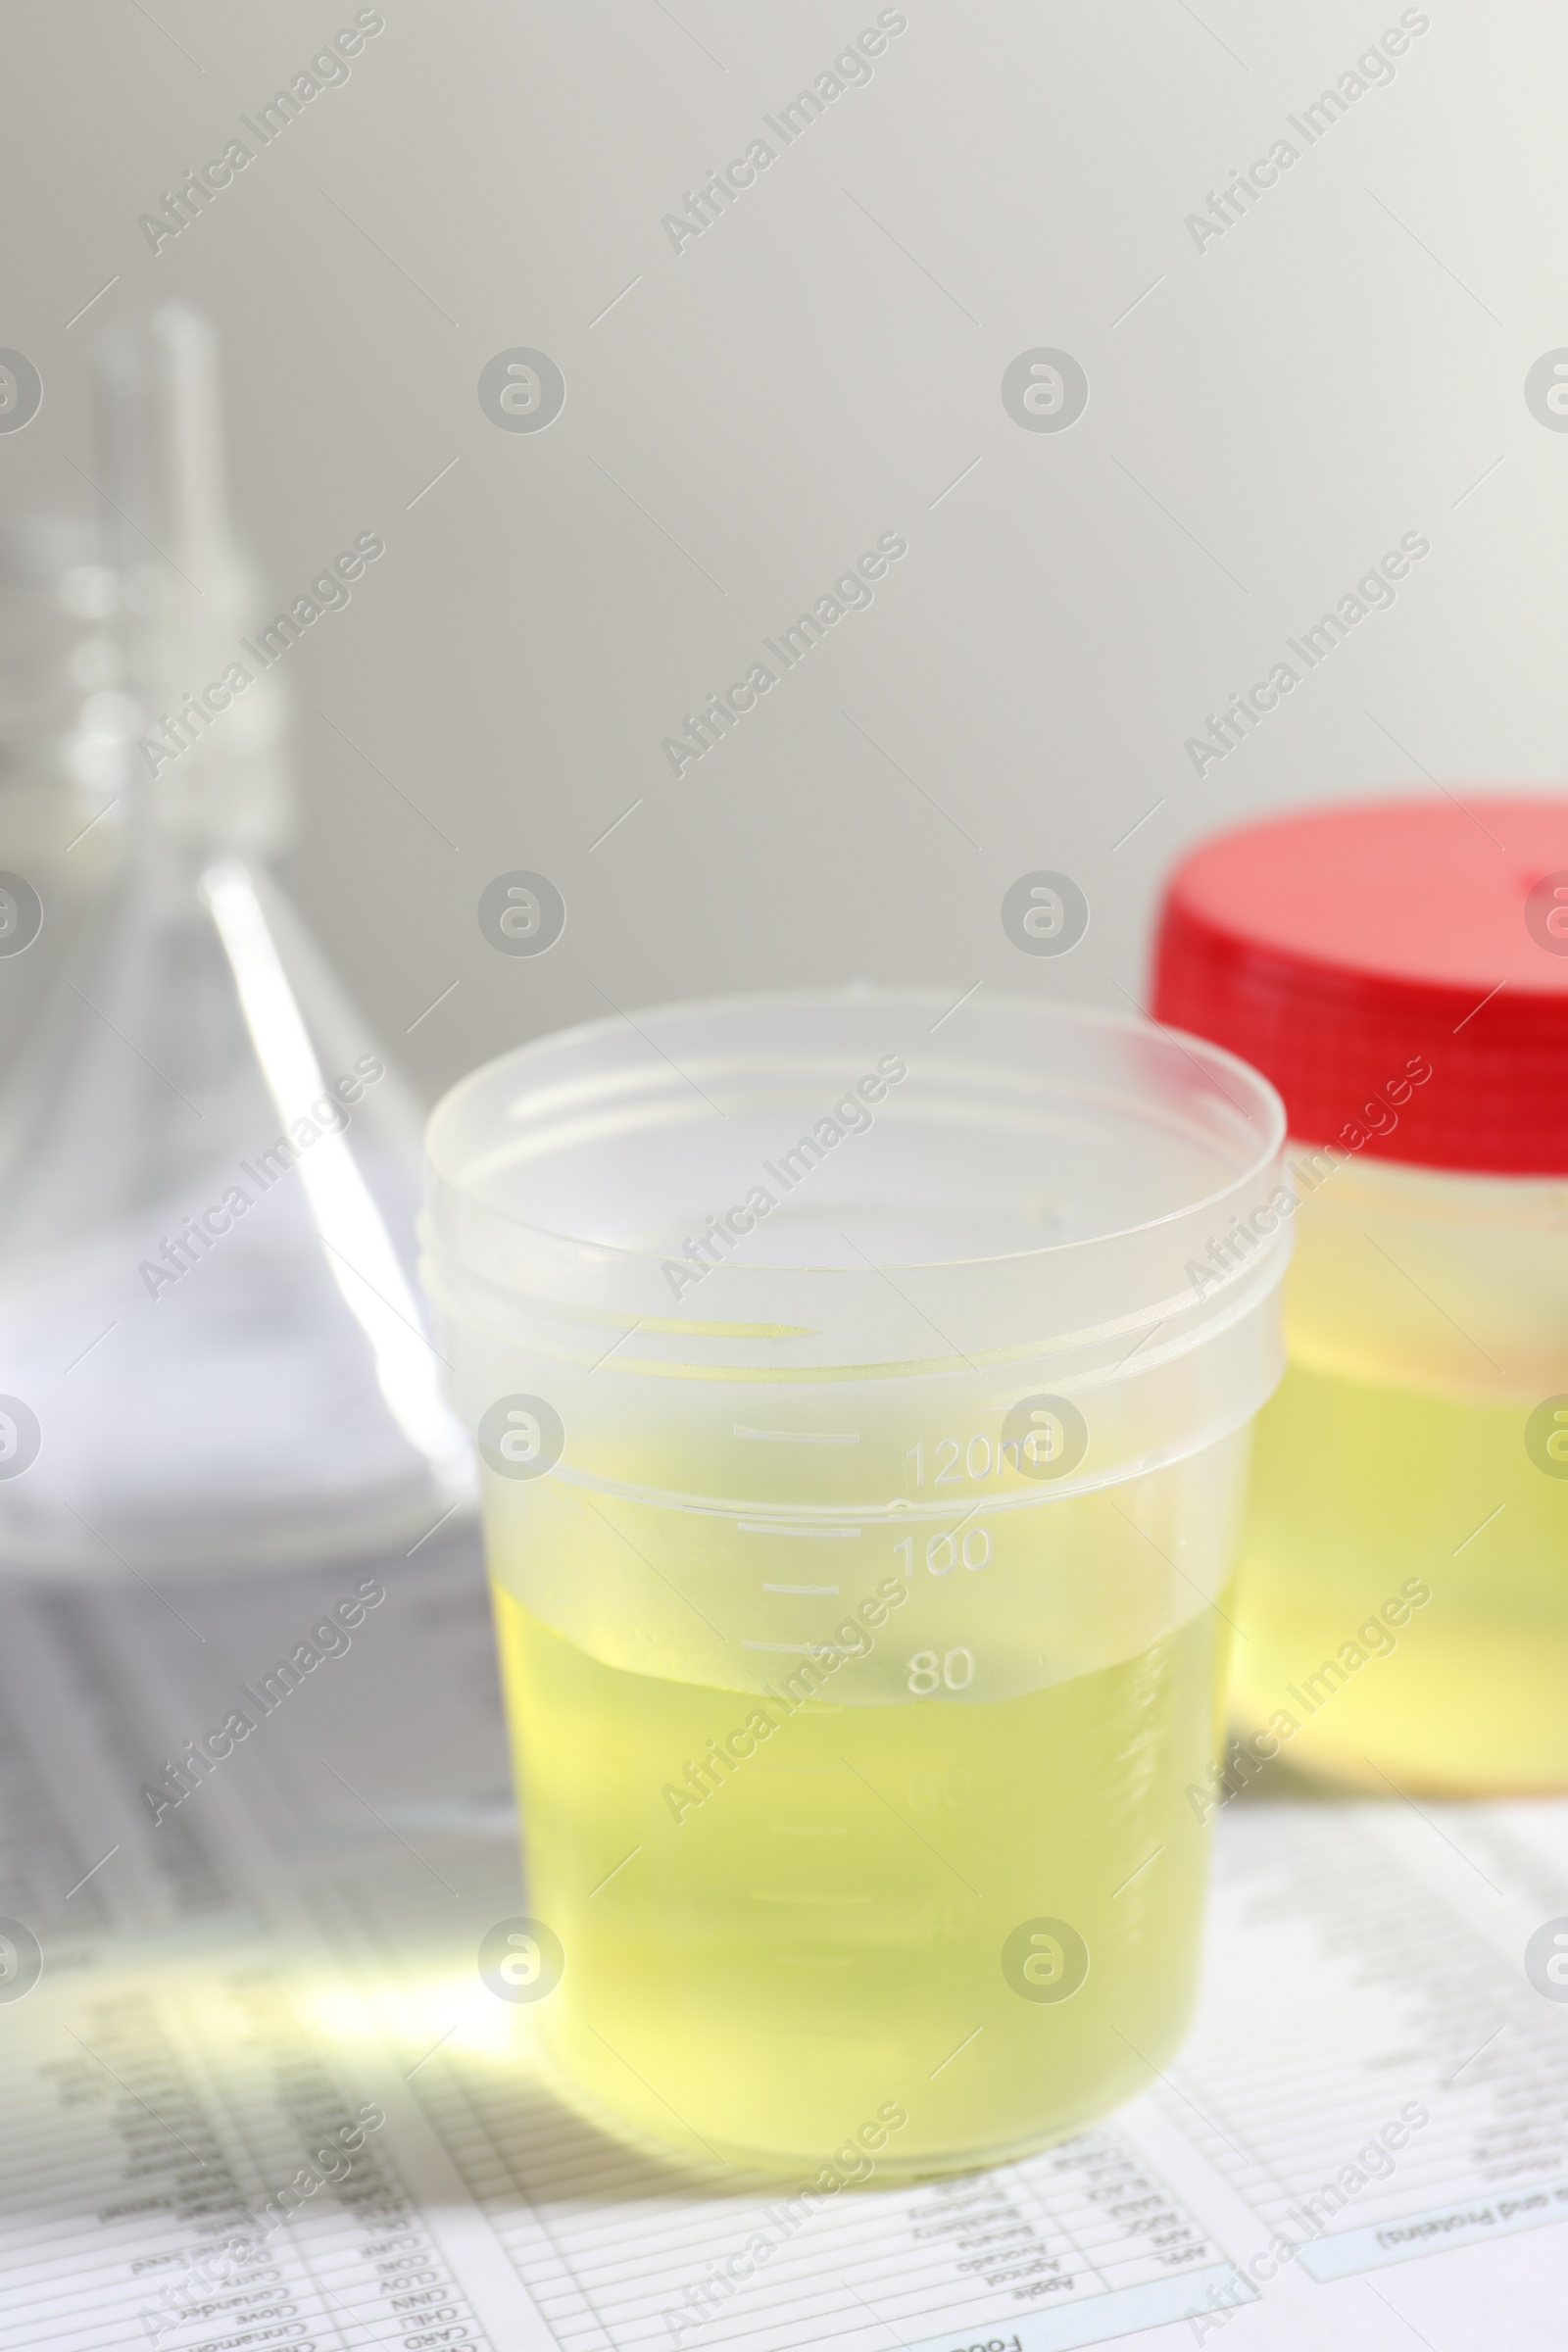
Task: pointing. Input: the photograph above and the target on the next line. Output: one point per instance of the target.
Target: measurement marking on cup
(815, 1535)
(830, 1590)
(620, 1867)
(800, 1436)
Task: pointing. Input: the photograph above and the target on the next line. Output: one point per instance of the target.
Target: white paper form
(1360, 1976)
(220, 2002)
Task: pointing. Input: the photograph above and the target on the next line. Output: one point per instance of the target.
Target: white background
(1339, 369)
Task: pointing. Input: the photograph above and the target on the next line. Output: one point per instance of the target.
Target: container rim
(1247, 1089)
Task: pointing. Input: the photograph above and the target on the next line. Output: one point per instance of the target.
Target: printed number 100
(943, 1553)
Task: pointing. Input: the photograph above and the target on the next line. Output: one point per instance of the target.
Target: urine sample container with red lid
(1400, 971)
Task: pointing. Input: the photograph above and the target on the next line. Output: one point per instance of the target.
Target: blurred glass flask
(212, 1358)
(64, 721)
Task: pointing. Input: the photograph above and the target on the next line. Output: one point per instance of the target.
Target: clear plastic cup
(862, 1470)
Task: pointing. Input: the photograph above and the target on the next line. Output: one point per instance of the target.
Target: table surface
(292, 1949)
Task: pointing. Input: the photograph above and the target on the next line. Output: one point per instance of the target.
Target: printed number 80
(927, 1672)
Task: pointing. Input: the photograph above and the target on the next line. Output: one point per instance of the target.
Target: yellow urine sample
(1403, 1595)
(811, 1957)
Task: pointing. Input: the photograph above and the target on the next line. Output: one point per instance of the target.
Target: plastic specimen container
(1401, 971)
(862, 1490)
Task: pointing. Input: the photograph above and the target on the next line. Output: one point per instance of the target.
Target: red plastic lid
(1344, 952)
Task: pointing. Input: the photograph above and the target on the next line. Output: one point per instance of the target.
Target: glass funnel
(211, 1352)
